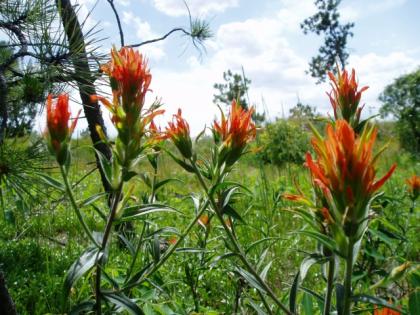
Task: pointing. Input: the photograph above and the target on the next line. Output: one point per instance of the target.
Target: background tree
(235, 87)
(23, 97)
(302, 112)
(401, 99)
(284, 142)
(326, 21)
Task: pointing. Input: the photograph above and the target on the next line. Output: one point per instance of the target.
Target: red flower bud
(59, 131)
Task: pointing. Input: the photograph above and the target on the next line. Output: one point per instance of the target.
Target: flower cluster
(130, 79)
(345, 97)
(344, 170)
(59, 131)
(385, 311)
(178, 131)
(413, 184)
(235, 132)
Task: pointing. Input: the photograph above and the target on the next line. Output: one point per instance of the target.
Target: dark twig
(177, 29)
(111, 3)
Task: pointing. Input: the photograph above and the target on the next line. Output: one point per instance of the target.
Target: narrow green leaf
(308, 262)
(249, 278)
(323, 239)
(123, 302)
(162, 183)
(264, 272)
(266, 239)
(307, 305)
(82, 307)
(52, 182)
(255, 306)
(293, 293)
(91, 199)
(231, 212)
(414, 302)
(82, 265)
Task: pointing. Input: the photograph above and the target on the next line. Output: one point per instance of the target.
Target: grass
(44, 237)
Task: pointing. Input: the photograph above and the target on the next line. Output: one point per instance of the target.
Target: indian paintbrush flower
(130, 79)
(59, 131)
(413, 184)
(345, 97)
(178, 131)
(344, 171)
(235, 132)
(385, 311)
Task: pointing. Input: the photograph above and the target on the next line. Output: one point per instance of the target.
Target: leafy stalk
(238, 248)
(170, 250)
(347, 280)
(107, 233)
(75, 207)
(330, 285)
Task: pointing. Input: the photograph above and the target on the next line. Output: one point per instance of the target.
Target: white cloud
(277, 72)
(124, 3)
(197, 7)
(377, 71)
(361, 8)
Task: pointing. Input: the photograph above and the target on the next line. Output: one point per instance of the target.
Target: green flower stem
(239, 250)
(136, 253)
(347, 280)
(170, 250)
(75, 207)
(330, 283)
(107, 233)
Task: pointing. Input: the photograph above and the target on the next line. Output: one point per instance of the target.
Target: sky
(263, 37)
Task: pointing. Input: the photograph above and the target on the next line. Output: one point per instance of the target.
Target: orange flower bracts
(344, 170)
(345, 97)
(59, 131)
(235, 132)
(385, 311)
(413, 184)
(130, 79)
(179, 132)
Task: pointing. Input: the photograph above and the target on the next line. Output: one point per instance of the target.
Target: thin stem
(117, 17)
(2, 201)
(347, 280)
(75, 207)
(133, 262)
(239, 250)
(105, 238)
(330, 284)
(170, 250)
(264, 300)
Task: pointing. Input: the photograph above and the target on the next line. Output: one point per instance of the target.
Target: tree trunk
(7, 307)
(84, 79)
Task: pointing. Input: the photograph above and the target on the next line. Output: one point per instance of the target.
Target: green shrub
(284, 142)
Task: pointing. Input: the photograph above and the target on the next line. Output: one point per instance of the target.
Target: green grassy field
(40, 237)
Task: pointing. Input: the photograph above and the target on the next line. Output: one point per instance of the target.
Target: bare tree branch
(177, 29)
(111, 3)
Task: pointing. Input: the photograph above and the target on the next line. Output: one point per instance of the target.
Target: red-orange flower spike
(130, 77)
(345, 97)
(413, 184)
(58, 129)
(345, 171)
(179, 132)
(236, 131)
